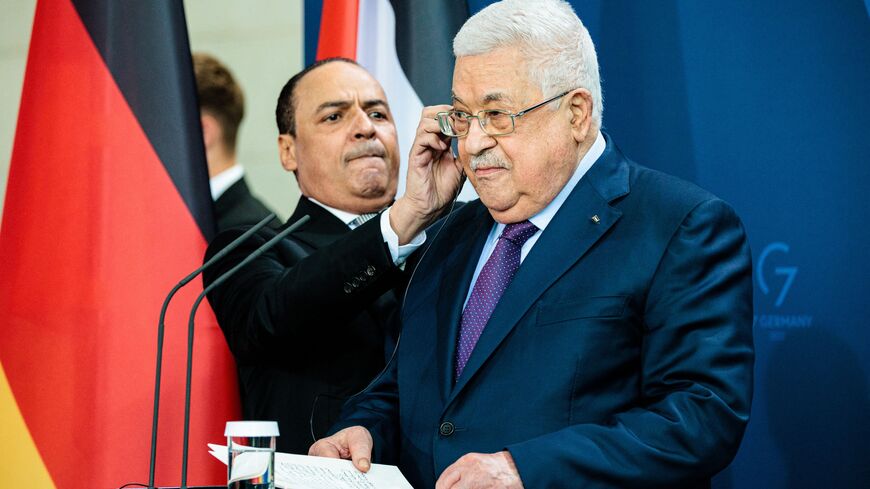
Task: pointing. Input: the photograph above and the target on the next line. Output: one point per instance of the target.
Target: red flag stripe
(338, 29)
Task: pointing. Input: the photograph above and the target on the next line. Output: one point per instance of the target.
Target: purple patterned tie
(496, 274)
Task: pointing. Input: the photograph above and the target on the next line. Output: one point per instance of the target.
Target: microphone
(221, 279)
(161, 326)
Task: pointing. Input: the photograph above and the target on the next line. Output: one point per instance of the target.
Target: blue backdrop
(764, 103)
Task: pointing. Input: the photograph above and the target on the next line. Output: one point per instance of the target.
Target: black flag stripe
(156, 78)
(424, 44)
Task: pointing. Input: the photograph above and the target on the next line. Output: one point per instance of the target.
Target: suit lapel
(565, 240)
(321, 230)
(458, 268)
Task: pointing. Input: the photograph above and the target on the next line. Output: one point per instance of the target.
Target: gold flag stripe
(22, 465)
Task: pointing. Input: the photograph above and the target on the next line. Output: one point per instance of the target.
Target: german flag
(107, 207)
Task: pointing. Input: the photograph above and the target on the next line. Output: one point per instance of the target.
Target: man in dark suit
(313, 321)
(587, 323)
(222, 107)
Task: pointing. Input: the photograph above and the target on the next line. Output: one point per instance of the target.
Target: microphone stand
(161, 327)
(190, 327)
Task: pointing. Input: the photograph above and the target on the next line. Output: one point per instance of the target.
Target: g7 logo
(789, 272)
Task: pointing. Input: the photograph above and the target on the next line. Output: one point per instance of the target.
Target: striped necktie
(360, 220)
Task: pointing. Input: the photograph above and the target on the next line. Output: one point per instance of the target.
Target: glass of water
(251, 462)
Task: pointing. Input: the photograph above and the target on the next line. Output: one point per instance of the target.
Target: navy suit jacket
(620, 356)
(309, 322)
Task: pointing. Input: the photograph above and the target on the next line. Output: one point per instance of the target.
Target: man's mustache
(369, 148)
(488, 160)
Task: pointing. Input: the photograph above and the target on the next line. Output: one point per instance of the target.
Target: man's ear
(287, 152)
(580, 106)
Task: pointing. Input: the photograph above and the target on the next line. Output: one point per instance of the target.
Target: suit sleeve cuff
(398, 253)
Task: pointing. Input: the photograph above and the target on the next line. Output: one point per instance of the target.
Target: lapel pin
(595, 219)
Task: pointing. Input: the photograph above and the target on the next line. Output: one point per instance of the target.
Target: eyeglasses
(494, 122)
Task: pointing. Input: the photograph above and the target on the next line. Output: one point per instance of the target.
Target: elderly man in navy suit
(587, 323)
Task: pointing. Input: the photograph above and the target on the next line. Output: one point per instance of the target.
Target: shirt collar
(343, 216)
(224, 180)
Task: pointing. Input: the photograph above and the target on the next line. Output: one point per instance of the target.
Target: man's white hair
(554, 43)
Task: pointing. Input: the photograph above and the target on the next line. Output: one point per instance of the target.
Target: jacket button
(446, 428)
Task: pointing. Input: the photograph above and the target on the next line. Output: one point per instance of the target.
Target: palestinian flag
(107, 207)
(407, 45)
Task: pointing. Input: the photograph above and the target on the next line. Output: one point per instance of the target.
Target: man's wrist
(398, 253)
(407, 221)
